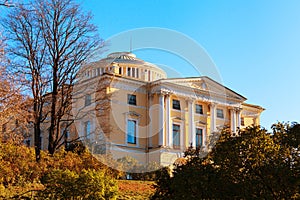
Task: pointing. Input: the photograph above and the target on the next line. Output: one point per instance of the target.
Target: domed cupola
(125, 64)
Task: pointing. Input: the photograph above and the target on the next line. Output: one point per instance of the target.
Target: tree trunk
(52, 138)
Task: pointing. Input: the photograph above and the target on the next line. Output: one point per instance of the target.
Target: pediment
(206, 84)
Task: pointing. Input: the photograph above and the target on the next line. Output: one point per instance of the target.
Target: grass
(137, 190)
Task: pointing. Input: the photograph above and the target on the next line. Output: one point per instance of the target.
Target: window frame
(242, 121)
(220, 115)
(196, 135)
(134, 136)
(87, 130)
(174, 106)
(201, 110)
(176, 145)
(87, 100)
(129, 99)
(128, 73)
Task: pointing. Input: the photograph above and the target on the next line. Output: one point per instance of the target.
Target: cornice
(188, 94)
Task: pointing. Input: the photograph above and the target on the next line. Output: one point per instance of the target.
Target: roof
(210, 84)
(128, 58)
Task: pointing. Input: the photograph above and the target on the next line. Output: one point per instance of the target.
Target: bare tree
(28, 53)
(50, 40)
(6, 3)
(70, 38)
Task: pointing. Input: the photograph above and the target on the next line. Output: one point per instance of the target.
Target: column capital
(212, 104)
(163, 93)
(190, 100)
(233, 108)
(238, 110)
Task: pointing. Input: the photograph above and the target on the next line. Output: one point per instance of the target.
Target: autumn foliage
(54, 176)
(255, 165)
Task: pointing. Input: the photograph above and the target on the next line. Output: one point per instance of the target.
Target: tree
(6, 3)
(88, 184)
(252, 165)
(50, 40)
(14, 115)
(13, 105)
(70, 38)
(29, 50)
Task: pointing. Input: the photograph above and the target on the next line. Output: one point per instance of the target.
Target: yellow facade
(137, 111)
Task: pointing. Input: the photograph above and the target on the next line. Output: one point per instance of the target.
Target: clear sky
(254, 44)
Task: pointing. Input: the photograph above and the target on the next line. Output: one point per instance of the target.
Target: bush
(17, 165)
(253, 165)
(138, 171)
(88, 184)
(21, 175)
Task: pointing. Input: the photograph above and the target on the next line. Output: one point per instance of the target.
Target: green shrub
(88, 184)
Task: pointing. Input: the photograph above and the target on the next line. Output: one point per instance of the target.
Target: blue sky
(255, 45)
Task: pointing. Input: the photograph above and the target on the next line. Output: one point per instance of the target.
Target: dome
(128, 65)
(122, 55)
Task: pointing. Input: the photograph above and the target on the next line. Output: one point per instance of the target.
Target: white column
(182, 142)
(213, 117)
(191, 133)
(254, 121)
(161, 120)
(169, 134)
(239, 118)
(150, 132)
(233, 120)
(204, 138)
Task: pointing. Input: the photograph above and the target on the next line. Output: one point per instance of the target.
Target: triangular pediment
(205, 84)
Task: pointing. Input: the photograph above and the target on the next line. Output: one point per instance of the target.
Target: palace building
(125, 106)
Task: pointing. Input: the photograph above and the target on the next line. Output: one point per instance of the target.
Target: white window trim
(136, 128)
(85, 99)
(181, 138)
(92, 129)
(127, 103)
(203, 134)
(198, 114)
(173, 109)
(217, 113)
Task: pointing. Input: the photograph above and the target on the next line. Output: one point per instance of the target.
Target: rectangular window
(137, 72)
(67, 135)
(176, 104)
(131, 131)
(131, 99)
(88, 100)
(149, 75)
(199, 136)
(133, 72)
(199, 109)
(87, 129)
(128, 71)
(242, 121)
(120, 70)
(98, 72)
(220, 113)
(176, 136)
